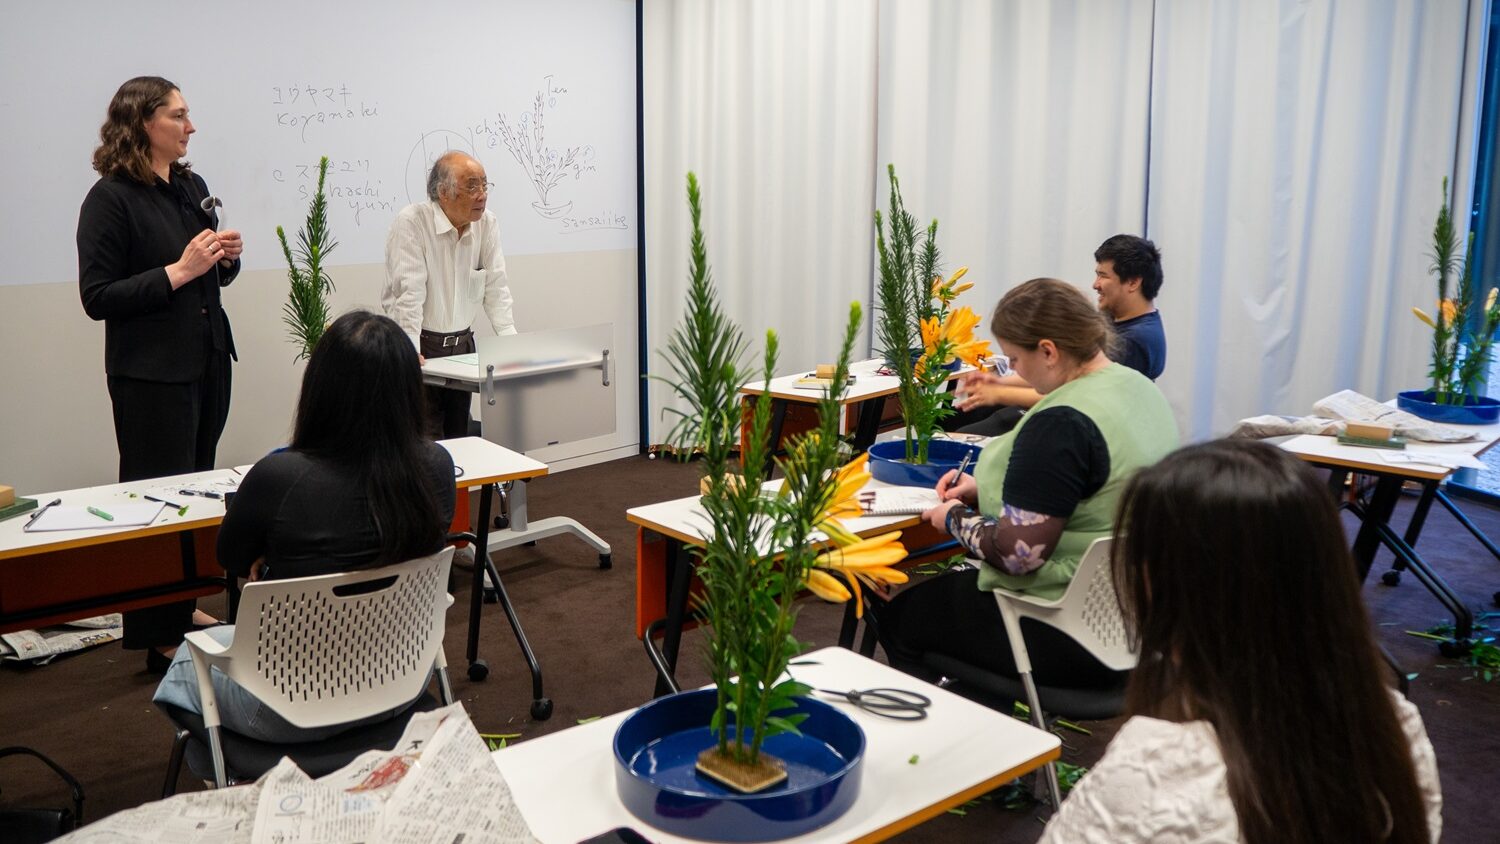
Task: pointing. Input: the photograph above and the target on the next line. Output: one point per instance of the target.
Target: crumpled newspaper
(1332, 411)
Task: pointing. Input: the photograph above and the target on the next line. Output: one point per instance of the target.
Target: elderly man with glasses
(442, 263)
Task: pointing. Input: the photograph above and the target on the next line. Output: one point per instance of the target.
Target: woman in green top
(1040, 493)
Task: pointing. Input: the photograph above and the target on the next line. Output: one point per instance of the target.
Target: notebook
(898, 500)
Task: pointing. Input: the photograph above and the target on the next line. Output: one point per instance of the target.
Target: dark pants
(984, 421)
(167, 429)
(447, 410)
(948, 614)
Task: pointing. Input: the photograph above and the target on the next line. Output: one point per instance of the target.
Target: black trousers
(167, 429)
(948, 614)
(447, 410)
(985, 421)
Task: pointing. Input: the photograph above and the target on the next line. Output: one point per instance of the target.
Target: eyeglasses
(476, 188)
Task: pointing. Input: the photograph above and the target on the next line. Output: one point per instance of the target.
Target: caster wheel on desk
(541, 709)
(605, 562)
(1455, 648)
(1391, 578)
(478, 670)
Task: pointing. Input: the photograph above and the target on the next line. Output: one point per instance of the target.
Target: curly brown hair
(124, 149)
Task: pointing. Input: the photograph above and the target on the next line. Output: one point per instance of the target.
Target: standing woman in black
(150, 265)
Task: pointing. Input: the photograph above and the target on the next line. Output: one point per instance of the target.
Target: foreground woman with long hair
(1260, 711)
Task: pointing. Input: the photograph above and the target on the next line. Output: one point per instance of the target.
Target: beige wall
(55, 427)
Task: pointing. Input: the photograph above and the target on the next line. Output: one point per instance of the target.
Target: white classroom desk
(461, 374)
(1375, 513)
(564, 782)
(49, 577)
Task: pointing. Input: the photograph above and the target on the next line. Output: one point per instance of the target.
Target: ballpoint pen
(171, 504)
(205, 494)
(38, 514)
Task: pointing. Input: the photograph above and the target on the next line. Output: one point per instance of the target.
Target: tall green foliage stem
(306, 312)
(760, 547)
(909, 259)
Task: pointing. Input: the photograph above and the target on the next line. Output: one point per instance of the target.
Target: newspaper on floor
(438, 784)
(46, 644)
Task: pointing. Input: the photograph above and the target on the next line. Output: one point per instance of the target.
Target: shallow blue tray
(888, 462)
(1476, 410)
(657, 746)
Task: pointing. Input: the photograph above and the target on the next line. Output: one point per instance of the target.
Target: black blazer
(128, 232)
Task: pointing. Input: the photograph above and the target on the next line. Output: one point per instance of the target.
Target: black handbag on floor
(33, 826)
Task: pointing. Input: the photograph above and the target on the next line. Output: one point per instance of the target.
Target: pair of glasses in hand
(900, 704)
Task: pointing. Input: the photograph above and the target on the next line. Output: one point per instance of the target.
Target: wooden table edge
(110, 536)
(1373, 468)
(480, 480)
(928, 813)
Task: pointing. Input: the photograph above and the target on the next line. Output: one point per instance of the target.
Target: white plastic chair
(1089, 612)
(330, 649)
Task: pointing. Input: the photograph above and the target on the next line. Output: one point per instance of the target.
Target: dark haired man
(1127, 277)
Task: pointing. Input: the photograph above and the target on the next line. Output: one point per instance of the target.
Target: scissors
(900, 704)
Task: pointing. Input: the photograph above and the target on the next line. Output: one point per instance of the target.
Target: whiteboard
(542, 92)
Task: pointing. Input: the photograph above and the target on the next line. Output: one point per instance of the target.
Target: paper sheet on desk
(1438, 459)
(79, 518)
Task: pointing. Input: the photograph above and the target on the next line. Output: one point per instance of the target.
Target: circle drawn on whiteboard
(427, 150)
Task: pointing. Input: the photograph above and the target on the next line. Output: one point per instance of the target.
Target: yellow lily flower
(958, 330)
(826, 586)
(1422, 315)
(1449, 309)
(958, 274)
(1489, 301)
(869, 560)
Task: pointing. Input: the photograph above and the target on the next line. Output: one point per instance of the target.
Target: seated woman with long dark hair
(1259, 711)
(360, 487)
(1040, 494)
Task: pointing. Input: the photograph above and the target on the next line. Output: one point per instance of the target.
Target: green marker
(101, 514)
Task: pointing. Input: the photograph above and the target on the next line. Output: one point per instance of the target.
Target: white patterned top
(1166, 782)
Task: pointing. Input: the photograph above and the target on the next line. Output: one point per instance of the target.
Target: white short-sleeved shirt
(437, 279)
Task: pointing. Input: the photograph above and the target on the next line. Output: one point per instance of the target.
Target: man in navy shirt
(1127, 277)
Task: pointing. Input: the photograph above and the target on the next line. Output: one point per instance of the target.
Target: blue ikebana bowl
(657, 747)
(1475, 410)
(888, 462)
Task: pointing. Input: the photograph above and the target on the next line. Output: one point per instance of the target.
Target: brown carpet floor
(92, 713)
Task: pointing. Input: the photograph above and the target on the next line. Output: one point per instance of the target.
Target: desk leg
(478, 668)
(778, 421)
(1377, 514)
(868, 425)
(1413, 530)
(1375, 530)
(677, 599)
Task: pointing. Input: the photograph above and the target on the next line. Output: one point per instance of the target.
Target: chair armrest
(204, 644)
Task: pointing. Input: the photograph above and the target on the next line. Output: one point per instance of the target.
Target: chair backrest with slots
(336, 648)
(1089, 611)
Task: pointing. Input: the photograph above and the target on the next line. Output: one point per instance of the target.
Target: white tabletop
(461, 370)
(481, 460)
(867, 384)
(1329, 451)
(564, 782)
(685, 518)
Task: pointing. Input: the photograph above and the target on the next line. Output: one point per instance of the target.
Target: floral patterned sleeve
(1017, 542)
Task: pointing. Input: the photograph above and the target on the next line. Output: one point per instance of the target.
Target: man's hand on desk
(986, 389)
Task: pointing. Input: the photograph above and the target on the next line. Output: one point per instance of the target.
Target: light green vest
(1139, 430)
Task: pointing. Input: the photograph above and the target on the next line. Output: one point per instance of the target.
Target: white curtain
(772, 104)
(1286, 155)
(1021, 126)
(1297, 153)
